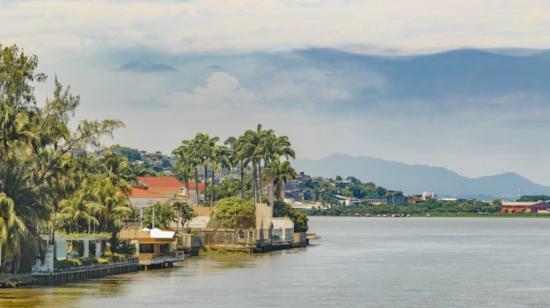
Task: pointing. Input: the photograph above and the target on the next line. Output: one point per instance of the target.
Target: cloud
(222, 90)
(146, 66)
(193, 26)
(318, 86)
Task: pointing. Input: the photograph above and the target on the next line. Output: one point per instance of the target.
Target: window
(165, 248)
(146, 248)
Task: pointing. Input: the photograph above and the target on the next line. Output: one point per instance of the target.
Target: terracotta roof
(160, 187)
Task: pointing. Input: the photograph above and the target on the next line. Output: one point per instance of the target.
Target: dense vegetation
(282, 209)
(57, 179)
(48, 179)
(233, 213)
(325, 191)
(260, 150)
(533, 198)
(432, 207)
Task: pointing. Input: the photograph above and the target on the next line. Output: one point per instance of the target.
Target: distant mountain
(145, 66)
(418, 178)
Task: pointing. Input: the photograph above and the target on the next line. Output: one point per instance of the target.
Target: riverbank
(15, 280)
(464, 215)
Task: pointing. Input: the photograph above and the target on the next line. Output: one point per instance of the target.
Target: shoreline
(524, 216)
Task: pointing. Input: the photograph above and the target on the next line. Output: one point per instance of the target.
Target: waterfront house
(154, 247)
(523, 207)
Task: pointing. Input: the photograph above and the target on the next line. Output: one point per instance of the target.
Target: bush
(88, 261)
(67, 263)
(233, 213)
(282, 209)
(117, 257)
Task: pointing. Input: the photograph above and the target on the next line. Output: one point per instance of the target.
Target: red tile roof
(160, 187)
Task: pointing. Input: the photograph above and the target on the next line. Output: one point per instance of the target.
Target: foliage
(233, 213)
(164, 216)
(183, 211)
(300, 220)
(533, 198)
(261, 150)
(428, 207)
(38, 156)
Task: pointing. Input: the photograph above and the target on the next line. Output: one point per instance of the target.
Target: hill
(418, 178)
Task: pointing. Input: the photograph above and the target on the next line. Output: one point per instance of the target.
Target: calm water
(360, 262)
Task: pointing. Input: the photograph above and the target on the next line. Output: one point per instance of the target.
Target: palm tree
(75, 210)
(185, 212)
(13, 230)
(252, 150)
(220, 159)
(184, 165)
(279, 173)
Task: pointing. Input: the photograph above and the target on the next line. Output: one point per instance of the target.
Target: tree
(185, 163)
(184, 212)
(279, 173)
(300, 220)
(163, 215)
(233, 213)
(13, 230)
(37, 149)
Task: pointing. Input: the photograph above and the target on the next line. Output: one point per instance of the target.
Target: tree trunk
(271, 193)
(212, 188)
(205, 182)
(242, 180)
(260, 179)
(255, 183)
(187, 187)
(197, 183)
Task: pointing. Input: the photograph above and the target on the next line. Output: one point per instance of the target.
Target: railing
(64, 268)
(161, 257)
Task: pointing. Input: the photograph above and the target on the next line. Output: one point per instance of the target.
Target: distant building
(424, 196)
(523, 207)
(395, 197)
(376, 200)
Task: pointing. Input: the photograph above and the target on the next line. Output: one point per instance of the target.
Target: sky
(354, 77)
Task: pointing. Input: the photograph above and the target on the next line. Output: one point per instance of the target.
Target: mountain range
(414, 179)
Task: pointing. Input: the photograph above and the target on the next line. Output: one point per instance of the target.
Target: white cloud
(221, 90)
(275, 25)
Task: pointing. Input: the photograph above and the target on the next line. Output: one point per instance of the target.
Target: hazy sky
(171, 68)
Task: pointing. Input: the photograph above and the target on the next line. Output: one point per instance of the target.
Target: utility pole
(153, 217)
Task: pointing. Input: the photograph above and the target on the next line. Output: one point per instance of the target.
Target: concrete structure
(84, 272)
(68, 247)
(283, 231)
(523, 207)
(154, 247)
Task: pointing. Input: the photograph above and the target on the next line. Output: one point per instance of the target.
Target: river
(359, 262)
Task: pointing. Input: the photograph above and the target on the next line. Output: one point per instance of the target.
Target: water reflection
(377, 262)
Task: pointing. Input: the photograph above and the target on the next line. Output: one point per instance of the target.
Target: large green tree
(37, 148)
